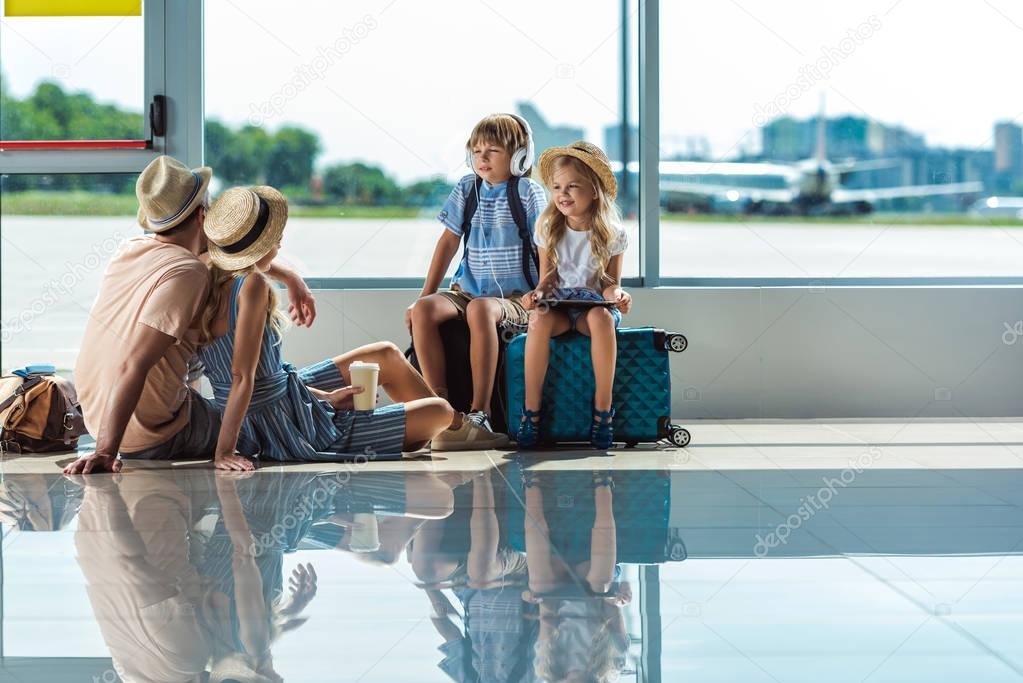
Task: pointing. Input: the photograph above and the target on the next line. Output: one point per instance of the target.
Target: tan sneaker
(471, 436)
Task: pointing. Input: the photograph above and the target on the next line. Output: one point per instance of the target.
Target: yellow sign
(72, 8)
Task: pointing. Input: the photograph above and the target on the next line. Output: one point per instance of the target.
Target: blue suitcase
(642, 388)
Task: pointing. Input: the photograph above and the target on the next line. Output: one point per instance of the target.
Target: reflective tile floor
(764, 552)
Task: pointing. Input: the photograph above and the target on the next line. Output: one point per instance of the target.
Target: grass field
(105, 204)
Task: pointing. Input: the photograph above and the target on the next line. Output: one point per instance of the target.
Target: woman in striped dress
(271, 410)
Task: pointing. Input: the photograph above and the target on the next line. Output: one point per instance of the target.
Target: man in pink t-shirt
(143, 330)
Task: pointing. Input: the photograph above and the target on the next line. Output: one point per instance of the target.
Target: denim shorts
(575, 312)
(196, 440)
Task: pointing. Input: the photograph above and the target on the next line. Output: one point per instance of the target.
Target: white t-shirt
(576, 267)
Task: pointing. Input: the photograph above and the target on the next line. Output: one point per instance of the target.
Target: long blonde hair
(604, 221)
(605, 660)
(219, 277)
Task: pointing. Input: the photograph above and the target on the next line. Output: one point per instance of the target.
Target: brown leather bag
(39, 414)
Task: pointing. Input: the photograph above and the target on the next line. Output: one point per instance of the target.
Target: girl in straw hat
(271, 410)
(581, 242)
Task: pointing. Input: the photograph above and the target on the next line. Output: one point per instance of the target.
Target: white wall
(783, 352)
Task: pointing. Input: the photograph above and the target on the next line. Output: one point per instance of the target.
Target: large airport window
(57, 234)
(359, 111)
(71, 78)
(798, 143)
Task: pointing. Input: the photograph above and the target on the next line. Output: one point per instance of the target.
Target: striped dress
(284, 420)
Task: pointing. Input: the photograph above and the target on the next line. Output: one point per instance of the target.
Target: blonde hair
(607, 653)
(219, 277)
(501, 129)
(604, 221)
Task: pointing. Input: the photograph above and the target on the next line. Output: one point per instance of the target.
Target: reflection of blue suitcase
(642, 508)
(642, 390)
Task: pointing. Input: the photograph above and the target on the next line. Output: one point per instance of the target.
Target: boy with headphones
(494, 211)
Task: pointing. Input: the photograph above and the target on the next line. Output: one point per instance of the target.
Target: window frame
(175, 68)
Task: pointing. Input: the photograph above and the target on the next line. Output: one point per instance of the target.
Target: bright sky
(410, 78)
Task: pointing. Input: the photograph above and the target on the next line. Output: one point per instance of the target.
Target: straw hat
(589, 154)
(244, 225)
(168, 192)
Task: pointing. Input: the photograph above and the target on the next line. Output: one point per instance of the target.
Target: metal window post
(649, 144)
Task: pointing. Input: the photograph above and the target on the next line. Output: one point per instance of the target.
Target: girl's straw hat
(589, 154)
(244, 225)
(168, 192)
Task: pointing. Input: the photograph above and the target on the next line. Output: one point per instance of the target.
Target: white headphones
(521, 158)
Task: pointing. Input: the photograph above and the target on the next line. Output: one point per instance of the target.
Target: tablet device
(577, 303)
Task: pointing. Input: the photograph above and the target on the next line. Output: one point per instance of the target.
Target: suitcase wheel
(679, 436)
(677, 551)
(631, 444)
(676, 342)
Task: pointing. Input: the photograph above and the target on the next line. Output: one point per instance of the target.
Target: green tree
(292, 154)
(428, 192)
(238, 158)
(360, 184)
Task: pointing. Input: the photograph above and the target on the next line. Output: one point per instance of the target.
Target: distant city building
(544, 134)
(848, 137)
(1008, 152)
(613, 142)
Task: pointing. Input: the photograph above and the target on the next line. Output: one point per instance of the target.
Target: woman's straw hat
(589, 154)
(168, 192)
(244, 224)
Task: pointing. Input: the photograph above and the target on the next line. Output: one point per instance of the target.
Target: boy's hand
(529, 299)
(621, 298)
(408, 316)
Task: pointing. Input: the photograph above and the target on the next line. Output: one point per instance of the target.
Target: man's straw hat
(589, 154)
(244, 225)
(168, 192)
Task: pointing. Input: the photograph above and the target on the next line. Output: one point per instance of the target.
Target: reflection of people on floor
(573, 577)
(376, 514)
(38, 502)
(467, 555)
(244, 607)
(133, 544)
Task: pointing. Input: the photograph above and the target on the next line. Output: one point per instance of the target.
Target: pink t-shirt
(152, 283)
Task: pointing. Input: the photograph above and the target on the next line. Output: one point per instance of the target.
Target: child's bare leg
(603, 542)
(543, 573)
(427, 315)
(599, 325)
(425, 418)
(543, 324)
(483, 315)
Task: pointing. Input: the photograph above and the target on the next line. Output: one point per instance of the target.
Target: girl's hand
(303, 589)
(621, 298)
(233, 462)
(529, 299)
(341, 399)
(302, 307)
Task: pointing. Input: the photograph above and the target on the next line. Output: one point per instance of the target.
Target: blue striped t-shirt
(493, 265)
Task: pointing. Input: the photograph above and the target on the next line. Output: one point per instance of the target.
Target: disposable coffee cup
(365, 533)
(364, 375)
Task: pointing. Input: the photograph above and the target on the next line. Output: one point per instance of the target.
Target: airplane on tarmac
(810, 186)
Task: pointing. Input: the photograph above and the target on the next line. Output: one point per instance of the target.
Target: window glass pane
(72, 78)
(802, 143)
(361, 117)
(54, 245)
